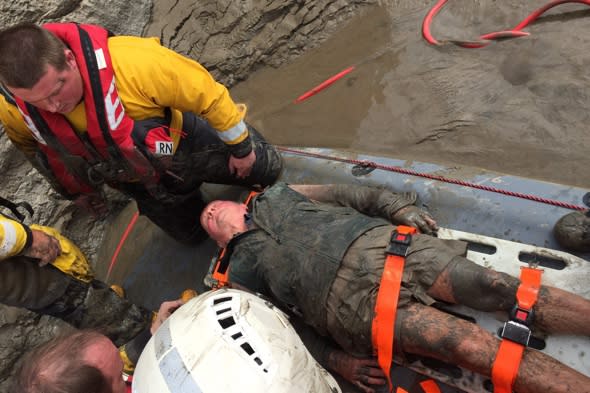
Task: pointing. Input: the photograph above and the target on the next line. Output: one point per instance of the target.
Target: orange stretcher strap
(430, 386)
(514, 334)
(221, 271)
(528, 291)
(387, 298)
(506, 366)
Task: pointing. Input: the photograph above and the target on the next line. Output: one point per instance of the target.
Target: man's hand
(415, 217)
(43, 247)
(166, 309)
(362, 373)
(92, 203)
(242, 167)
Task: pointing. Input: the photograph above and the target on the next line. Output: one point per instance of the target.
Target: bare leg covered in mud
(464, 282)
(429, 332)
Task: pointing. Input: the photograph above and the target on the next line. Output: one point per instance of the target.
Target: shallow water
(516, 107)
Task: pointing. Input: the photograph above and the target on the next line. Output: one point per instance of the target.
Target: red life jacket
(109, 129)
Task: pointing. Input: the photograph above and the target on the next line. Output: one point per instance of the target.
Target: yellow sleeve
(15, 128)
(13, 237)
(149, 75)
(71, 261)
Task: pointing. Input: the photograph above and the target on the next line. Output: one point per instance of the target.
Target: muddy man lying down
(319, 252)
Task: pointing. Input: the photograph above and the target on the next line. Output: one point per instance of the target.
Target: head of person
(223, 220)
(85, 361)
(38, 67)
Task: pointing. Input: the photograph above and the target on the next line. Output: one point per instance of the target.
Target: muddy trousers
(201, 157)
(46, 290)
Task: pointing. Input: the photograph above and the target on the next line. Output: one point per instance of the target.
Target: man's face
(223, 219)
(56, 91)
(103, 355)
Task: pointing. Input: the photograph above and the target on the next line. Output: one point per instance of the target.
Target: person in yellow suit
(88, 108)
(44, 272)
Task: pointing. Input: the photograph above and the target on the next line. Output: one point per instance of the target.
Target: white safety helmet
(227, 341)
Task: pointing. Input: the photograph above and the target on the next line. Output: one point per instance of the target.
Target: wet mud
(517, 107)
(572, 231)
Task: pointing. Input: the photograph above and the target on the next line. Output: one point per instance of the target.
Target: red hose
(121, 242)
(486, 39)
(323, 85)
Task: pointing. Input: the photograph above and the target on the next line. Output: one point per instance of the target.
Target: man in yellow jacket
(89, 108)
(46, 273)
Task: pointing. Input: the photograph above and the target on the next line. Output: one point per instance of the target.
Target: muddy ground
(516, 107)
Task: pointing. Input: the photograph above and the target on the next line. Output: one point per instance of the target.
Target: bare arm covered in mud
(362, 372)
(377, 202)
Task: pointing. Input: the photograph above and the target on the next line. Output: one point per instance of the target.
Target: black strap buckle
(517, 329)
(399, 244)
(517, 332)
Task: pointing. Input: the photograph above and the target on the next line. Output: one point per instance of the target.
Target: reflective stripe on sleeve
(235, 134)
(10, 243)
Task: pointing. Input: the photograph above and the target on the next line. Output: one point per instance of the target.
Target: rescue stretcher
(504, 232)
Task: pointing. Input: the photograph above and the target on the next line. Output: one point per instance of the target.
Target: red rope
(486, 39)
(121, 242)
(411, 172)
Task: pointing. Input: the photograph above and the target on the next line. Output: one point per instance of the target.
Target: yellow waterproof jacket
(15, 237)
(151, 78)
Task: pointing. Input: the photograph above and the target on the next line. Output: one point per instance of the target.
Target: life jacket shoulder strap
(7, 95)
(14, 206)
